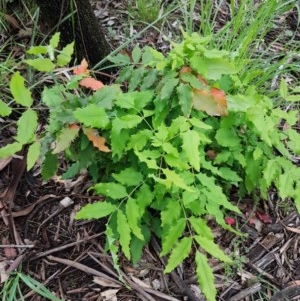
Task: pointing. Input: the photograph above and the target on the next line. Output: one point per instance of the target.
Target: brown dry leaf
(110, 295)
(4, 162)
(3, 275)
(140, 282)
(98, 141)
(9, 252)
(106, 282)
(12, 21)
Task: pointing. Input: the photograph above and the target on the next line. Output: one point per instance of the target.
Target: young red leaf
(230, 221)
(264, 217)
(91, 83)
(98, 141)
(82, 68)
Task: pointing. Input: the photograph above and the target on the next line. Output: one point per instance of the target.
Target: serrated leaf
(271, 171)
(171, 235)
(139, 140)
(27, 125)
(168, 87)
(128, 177)
(65, 138)
(112, 190)
(185, 95)
(33, 154)
(37, 50)
(92, 116)
(190, 146)
(41, 64)
(205, 277)
(65, 55)
(98, 141)
(201, 228)
(129, 121)
(136, 54)
(171, 213)
(49, 166)
(179, 253)
(71, 172)
(297, 197)
(10, 149)
(134, 218)
(54, 40)
(125, 233)
(210, 247)
(286, 185)
(20, 93)
(95, 210)
(283, 89)
(175, 179)
(228, 138)
(52, 97)
(5, 110)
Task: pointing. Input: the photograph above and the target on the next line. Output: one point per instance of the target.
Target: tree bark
(75, 20)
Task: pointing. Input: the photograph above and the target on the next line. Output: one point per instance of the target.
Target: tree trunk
(76, 21)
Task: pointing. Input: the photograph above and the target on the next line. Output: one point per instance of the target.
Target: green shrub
(166, 145)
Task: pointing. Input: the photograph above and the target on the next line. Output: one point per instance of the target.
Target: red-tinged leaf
(91, 83)
(82, 68)
(9, 252)
(213, 102)
(98, 141)
(230, 221)
(264, 217)
(202, 79)
(185, 69)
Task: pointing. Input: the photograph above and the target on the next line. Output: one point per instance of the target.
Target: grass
(243, 33)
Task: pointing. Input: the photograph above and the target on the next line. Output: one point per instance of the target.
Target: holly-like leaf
(205, 277)
(10, 149)
(210, 247)
(95, 210)
(27, 125)
(65, 55)
(125, 233)
(128, 177)
(134, 218)
(33, 154)
(5, 110)
(20, 93)
(41, 64)
(66, 137)
(112, 190)
(190, 146)
(98, 141)
(171, 235)
(212, 101)
(82, 68)
(91, 83)
(50, 166)
(179, 253)
(92, 116)
(185, 95)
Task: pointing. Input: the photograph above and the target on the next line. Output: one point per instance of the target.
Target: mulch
(40, 236)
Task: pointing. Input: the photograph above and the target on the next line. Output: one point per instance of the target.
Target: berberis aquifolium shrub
(166, 144)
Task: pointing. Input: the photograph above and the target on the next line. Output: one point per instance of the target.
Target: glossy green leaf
(190, 146)
(33, 154)
(10, 149)
(50, 165)
(92, 116)
(179, 253)
(125, 233)
(112, 190)
(134, 218)
(5, 110)
(95, 210)
(171, 235)
(205, 277)
(128, 177)
(20, 93)
(27, 125)
(41, 64)
(210, 247)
